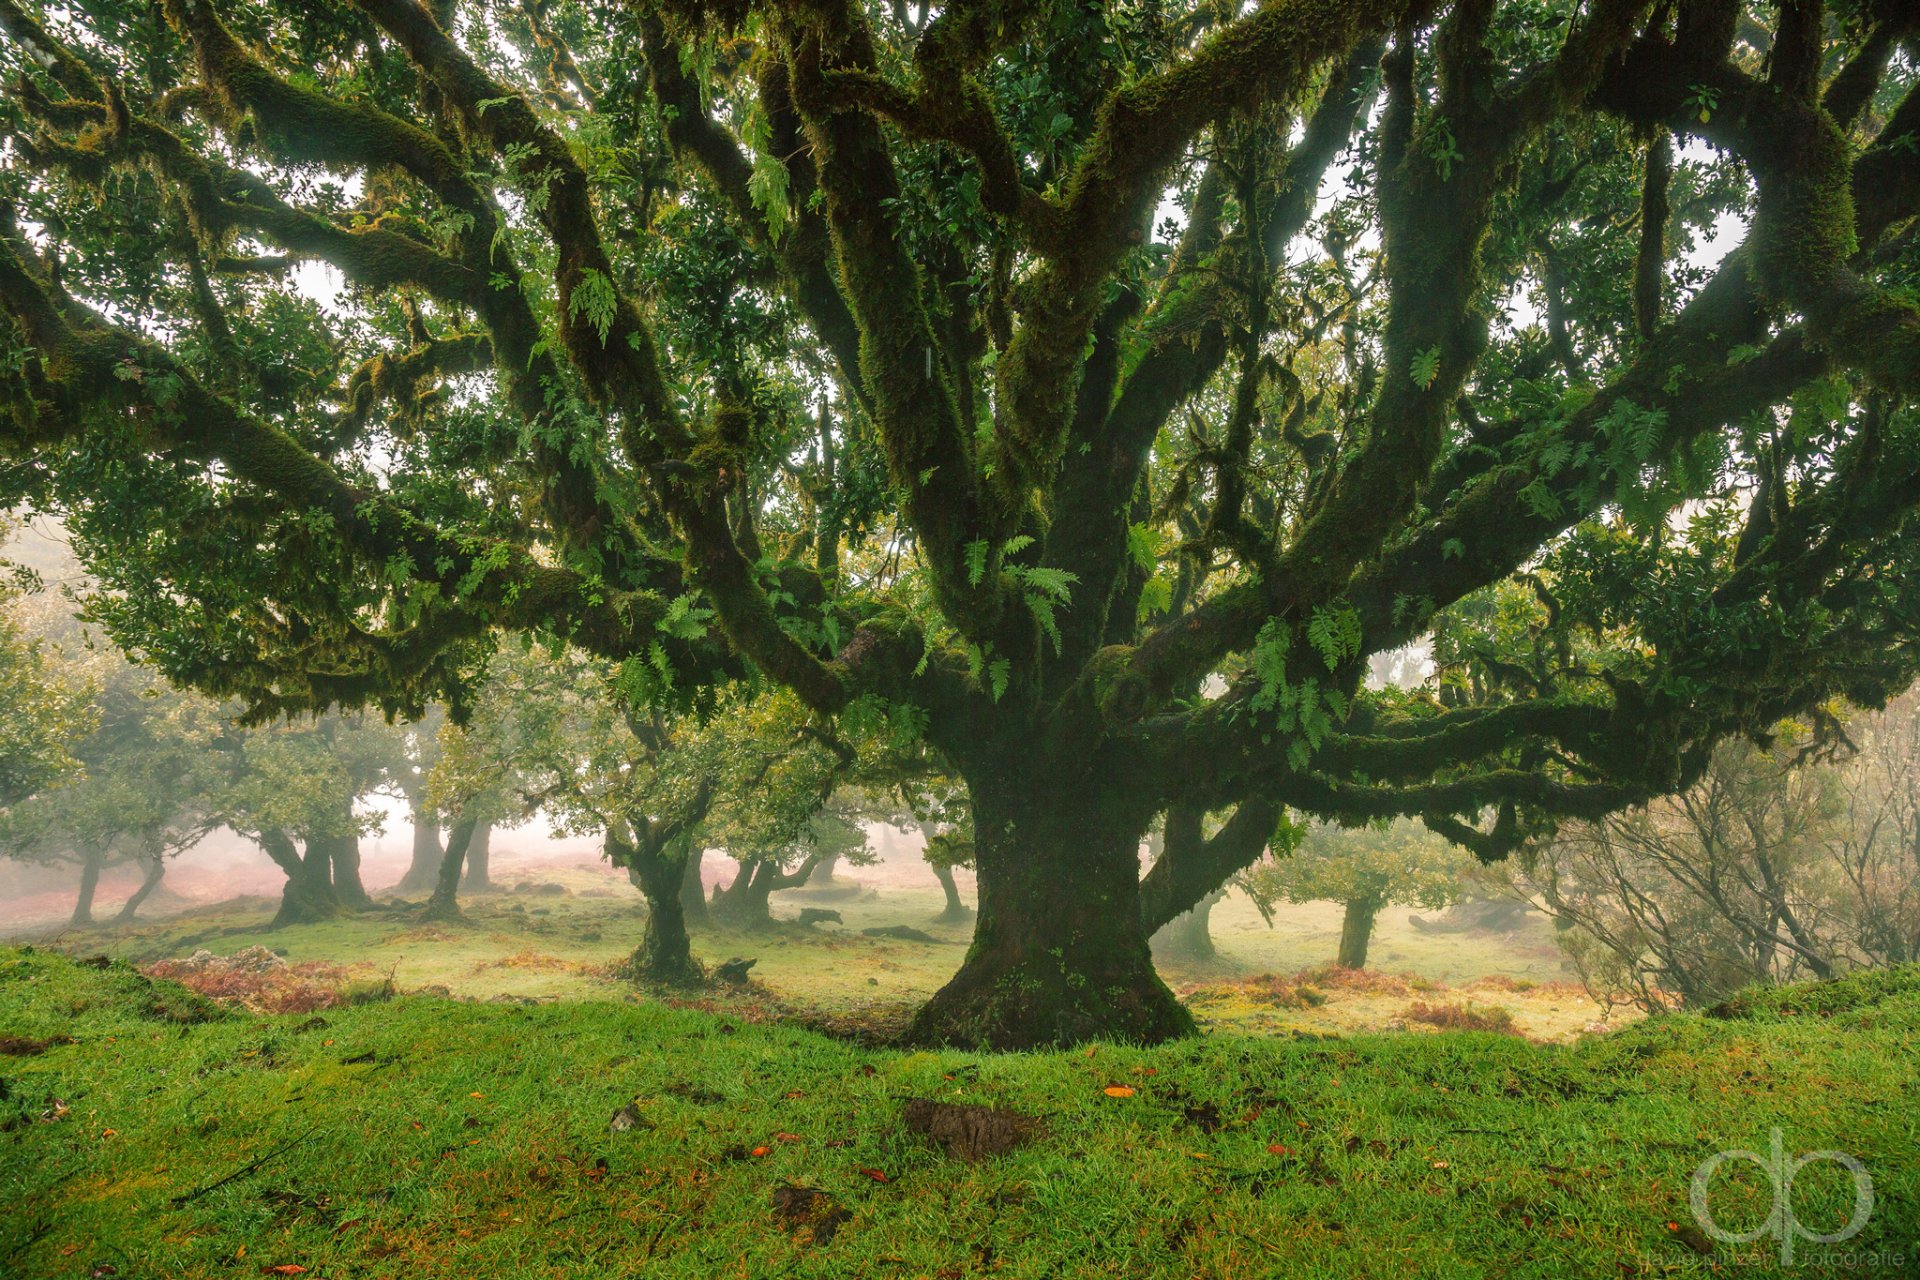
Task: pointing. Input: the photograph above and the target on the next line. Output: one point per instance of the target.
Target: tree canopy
(1091, 390)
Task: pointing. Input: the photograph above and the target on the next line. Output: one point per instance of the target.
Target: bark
(955, 910)
(659, 871)
(1188, 936)
(156, 868)
(424, 869)
(693, 897)
(445, 904)
(309, 894)
(89, 882)
(1059, 954)
(747, 902)
(1356, 931)
(343, 852)
(479, 851)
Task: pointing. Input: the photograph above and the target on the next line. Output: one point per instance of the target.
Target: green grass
(427, 1137)
(557, 946)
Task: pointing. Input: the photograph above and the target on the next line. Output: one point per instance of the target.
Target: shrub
(1462, 1017)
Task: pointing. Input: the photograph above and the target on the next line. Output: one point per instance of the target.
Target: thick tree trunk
(746, 903)
(156, 868)
(445, 904)
(343, 851)
(1058, 954)
(693, 894)
(1356, 931)
(955, 911)
(1188, 937)
(424, 868)
(309, 893)
(89, 883)
(479, 851)
(665, 954)
(822, 877)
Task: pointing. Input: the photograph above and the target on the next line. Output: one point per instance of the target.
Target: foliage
(1400, 863)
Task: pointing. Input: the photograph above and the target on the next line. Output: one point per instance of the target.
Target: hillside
(148, 1132)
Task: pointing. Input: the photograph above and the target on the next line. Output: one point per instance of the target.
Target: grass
(429, 1137)
(555, 945)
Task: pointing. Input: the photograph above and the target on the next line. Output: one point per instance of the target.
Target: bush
(1462, 1017)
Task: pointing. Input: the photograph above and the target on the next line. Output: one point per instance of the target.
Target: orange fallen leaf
(1441, 1164)
(476, 1094)
(760, 1151)
(875, 1174)
(1119, 1091)
(1279, 1149)
(108, 1133)
(796, 1093)
(1199, 1155)
(284, 1269)
(67, 1251)
(786, 1137)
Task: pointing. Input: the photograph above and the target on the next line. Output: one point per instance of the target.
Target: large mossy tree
(1093, 389)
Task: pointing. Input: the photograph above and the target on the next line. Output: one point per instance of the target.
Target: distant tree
(1365, 869)
(935, 804)
(1781, 863)
(46, 705)
(146, 784)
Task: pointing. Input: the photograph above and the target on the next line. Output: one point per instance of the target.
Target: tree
(772, 854)
(1776, 866)
(1364, 869)
(45, 706)
(795, 338)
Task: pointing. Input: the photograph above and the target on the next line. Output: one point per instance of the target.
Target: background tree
(1776, 866)
(604, 265)
(1365, 869)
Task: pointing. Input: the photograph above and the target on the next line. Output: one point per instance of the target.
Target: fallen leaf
(1279, 1149)
(284, 1269)
(108, 1133)
(786, 1137)
(1119, 1091)
(796, 1093)
(1441, 1164)
(476, 1094)
(1198, 1155)
(761, 1151)
(875, 1174)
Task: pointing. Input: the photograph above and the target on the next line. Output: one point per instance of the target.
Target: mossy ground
(428, 1137)
(557, 945)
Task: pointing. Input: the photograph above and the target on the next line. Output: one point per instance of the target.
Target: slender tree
(655, 314)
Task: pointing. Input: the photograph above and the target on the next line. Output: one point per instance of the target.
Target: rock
(903, 932)
(819, 915)
(808, 1213)
(628, 1117)
(734, 971)
(969, 1132)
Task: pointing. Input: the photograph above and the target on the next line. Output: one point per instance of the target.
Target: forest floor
(554, 931)
(145, 1132)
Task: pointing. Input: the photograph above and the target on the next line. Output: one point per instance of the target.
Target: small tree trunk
(309, 893)
(955, 911)
(479, 851)
(156, 868)
(1356, 931)
(445, 904)
(822, 877)
(89, 882)
(424, 868)
(1058, 955)
(665, 954)
(1188, 937)
(693, 896)
(344, 853)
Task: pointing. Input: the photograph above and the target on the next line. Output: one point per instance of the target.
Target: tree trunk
(1356, 931)
(665, 954)
(89, 882)
(1188, 937)
(956, 911)
(424, 868)
(156, 868)
(479, 850)
(746, 903)
(344, 853)
(445, 904)
(309, 893)
(1058, 954)
(822, 877)
(693, 895)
